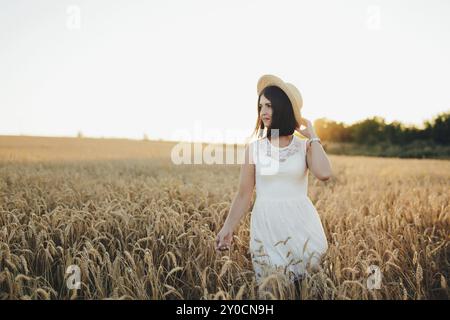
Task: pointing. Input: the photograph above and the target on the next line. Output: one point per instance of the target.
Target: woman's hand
(309, 131)
(224, 239)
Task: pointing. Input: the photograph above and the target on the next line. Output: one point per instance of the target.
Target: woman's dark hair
(282, 114)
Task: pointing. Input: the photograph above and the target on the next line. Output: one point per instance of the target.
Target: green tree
(393, 132)
(440, 131)
(369, 131)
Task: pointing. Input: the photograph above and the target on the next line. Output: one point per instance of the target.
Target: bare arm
(240, 202)
(317, 160)
(243, 197)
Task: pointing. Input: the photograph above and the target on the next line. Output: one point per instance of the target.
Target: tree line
(375, 130)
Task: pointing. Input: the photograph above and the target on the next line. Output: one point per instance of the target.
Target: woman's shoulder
(253, 147)
(301, 142)
(255, 141)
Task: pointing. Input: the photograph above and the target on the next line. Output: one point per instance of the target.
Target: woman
(286, 233)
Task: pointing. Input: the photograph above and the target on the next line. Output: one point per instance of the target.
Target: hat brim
(291, 91)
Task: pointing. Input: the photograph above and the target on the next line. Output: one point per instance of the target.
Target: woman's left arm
(316, 157)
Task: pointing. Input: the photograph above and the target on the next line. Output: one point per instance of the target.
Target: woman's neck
(282, 140)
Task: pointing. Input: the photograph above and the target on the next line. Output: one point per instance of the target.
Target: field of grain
(140, 227)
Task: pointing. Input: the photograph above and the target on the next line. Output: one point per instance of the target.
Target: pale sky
(125, 68)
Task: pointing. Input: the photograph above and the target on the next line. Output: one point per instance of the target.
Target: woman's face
(266, 111)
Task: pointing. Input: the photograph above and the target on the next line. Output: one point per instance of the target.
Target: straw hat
(291, 91)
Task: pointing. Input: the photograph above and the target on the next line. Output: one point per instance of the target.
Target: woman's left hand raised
(309, 131)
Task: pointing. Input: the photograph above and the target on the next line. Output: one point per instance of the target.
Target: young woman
(286, 233)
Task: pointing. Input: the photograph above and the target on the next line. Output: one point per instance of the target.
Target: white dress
(286, 233)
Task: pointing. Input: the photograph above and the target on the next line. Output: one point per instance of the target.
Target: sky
(187, 70)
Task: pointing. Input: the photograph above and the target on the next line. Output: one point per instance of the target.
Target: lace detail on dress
(282, 154)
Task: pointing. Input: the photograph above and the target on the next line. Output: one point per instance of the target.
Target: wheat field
(140, 227)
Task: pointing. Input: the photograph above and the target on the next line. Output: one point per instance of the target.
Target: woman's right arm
(240, 203)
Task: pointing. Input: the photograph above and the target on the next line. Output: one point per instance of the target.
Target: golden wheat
(139, 227)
